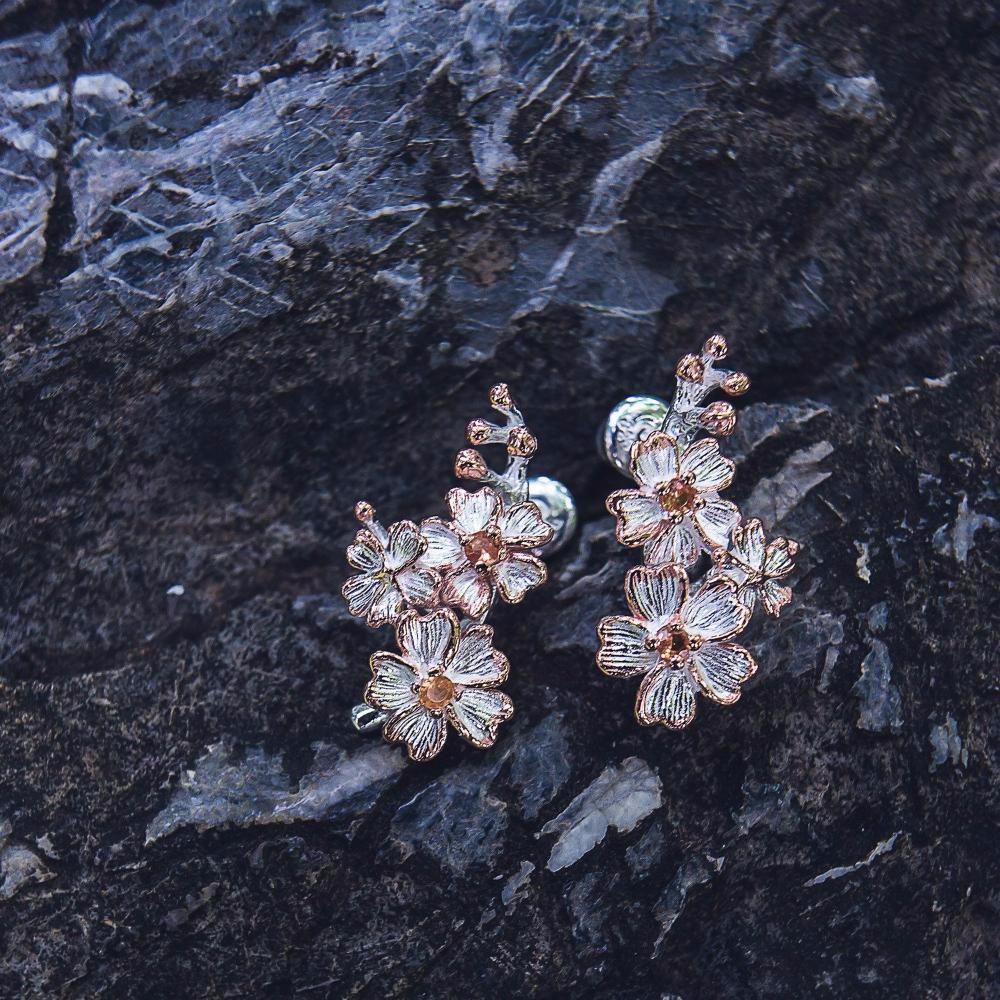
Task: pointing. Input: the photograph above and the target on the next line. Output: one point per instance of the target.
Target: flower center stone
(677, 496)
(673, 644)
(483, 549)
(436, 692)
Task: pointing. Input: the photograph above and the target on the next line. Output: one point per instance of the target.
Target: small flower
(756, 567)
(677, 642)
(442, 673)
(485, 546)
(388, 580)
(676, 512)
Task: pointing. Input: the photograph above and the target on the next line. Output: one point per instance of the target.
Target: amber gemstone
(483, 549)
(436, 693)
(671, 642)
(677, 496)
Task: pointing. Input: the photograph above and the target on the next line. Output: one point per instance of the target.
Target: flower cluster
(436, 583)
(678, 633)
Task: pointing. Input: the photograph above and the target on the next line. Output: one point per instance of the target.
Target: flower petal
(710, 470)
(417, 585)
(748, 543)
(386, 607)
(422, 731)
(639, 515)
(517, 574)
(425, 639)
(655, 594)
(676, 543)
(747, 595)
(405, 544)
(467, 589)
(715, 519)
(777, 559)
(666, 696)
(366, 553)
(476, 662)
(720, 668)
(361, 592)
(524, 525)
(477, 714)
(444, 551)
(623, 651)
(472, 512)
(391, 687)
(774, 596)
(654, 459)
(714, 612)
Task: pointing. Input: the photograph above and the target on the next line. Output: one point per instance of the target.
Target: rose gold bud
(718, 418)
(735, 383)
(716, 347)
(520, 441)
(364, 512)
(500, 396)
(691, 368)
(469, 464)
(478, 432)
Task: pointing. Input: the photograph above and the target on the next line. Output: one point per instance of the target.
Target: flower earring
(678, 634)
(437, 582)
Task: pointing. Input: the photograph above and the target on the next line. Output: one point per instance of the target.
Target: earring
(437, 582)
(678, 634)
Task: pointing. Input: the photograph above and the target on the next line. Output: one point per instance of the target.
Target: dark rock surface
(260, 258)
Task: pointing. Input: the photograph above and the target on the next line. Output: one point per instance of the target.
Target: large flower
(677, 642)
(442, 673)
(485, 546)
(388, 580)
(676, 512)
(756, 565)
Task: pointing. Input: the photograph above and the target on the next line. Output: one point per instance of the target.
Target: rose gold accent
(469, 464)
(718, 418)
(436, 693)
(716, 347)
(520, 441)
(500, 396)
(484, 549)
(364, 511)
(736, 383)
(478, 431)
(691, 368)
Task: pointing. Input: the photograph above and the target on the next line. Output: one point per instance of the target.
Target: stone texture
(259, 259)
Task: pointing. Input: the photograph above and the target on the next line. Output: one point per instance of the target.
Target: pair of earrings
(436, 582)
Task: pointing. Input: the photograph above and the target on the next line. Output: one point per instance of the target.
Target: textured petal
(425, 639)
(391, 687)
(417, 585)
(467, 589)
(777, 559)
(361, 592)
(747, 595)
(655, 594)
(472, 512)
(713, 612)
(748, 544)
(387, 606)
(476, 662)
(676, 543)
(639, 515)
(774, 596)
(623, 650)
(716, 519)
(477, 714)
(524, 525)
(366, 553)
(710, 471)
(518, 574)
(405, 544)
(444, 551)
(654, 460)
(422, 731)
(666, 696)
(720, 668)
